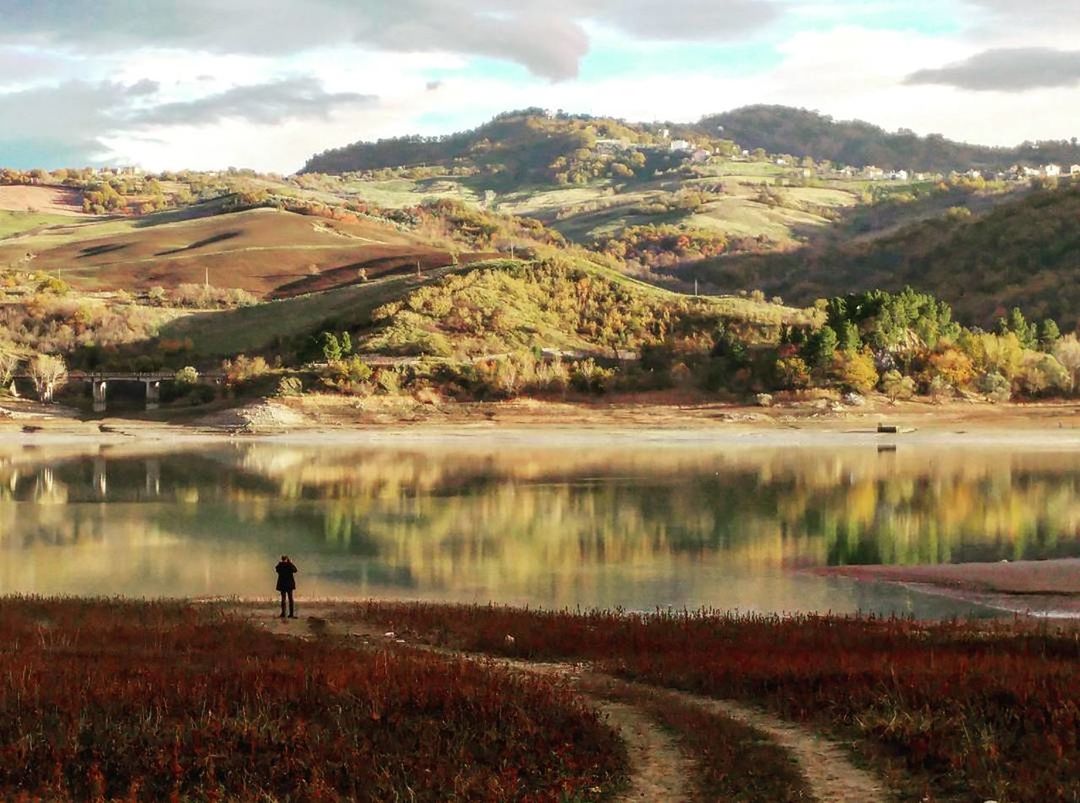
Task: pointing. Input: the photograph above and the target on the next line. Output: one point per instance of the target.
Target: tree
(187, 376)
(819, 348)
(953, 366)
(855, 371)
(48, 373)
(1067, 352)
(1049, 335)
(9, 363)
(1018, 325)
(331, 348)
(897, 386)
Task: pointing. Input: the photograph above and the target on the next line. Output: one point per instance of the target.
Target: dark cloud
(546, 36)
(1007, 70)
(264, 104)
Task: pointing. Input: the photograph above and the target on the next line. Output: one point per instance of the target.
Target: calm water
(726, 527)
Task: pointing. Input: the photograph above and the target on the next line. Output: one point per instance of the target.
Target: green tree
(1018, 325)
(819, 348)
(1049, 334)
(330, 346)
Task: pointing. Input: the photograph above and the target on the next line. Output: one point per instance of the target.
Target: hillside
(266, 252)
(515, 148)
(1024, 252)
(486, 308)
(782, 129)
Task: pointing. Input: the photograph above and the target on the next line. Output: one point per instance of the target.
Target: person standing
(286, 584)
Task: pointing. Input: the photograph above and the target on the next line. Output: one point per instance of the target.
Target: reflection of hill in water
(528, 519)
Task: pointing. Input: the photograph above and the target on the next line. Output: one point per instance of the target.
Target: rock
(764, 400)
(854, 400)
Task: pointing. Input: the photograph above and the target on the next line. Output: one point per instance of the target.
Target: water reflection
(556, 526)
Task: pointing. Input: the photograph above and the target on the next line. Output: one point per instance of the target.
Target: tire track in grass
(659, 768)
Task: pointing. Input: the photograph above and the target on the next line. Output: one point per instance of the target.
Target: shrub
(855, 371)
(290, 386)
(186, 376)
(389, 381)
(897, 386)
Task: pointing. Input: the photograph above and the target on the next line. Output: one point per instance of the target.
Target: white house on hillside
(1074, 170)
(680, 145)
(1052, 170)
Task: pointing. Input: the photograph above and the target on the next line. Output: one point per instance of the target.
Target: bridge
(100, 380)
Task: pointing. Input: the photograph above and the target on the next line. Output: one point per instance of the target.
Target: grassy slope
(262, 251)
(12, 223)
(259, 328)
(254, 329)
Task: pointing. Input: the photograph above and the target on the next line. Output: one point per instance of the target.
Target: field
(159, 701)
(61, 201)
(13, 223)
(265, 252)
(945, 711)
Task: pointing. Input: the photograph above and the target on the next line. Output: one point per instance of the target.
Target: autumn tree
(1067, 352)
(48, 373)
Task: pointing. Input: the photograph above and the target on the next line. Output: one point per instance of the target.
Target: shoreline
(1047, 589)
(319, 419)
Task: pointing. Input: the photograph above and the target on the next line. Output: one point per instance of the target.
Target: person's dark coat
(286, 576)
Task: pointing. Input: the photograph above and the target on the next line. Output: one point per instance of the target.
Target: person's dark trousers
(288, 594)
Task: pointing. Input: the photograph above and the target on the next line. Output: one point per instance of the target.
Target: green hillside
(1025, 252)
(515, 148)
(486, 308)
(782, 129)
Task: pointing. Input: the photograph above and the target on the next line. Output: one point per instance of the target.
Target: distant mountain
(798, 132)
(1023, 252)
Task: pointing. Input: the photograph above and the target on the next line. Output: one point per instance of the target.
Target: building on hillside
(680, 145)
(899, 175)
(1074, 170)
(873, 173)
(1051, 170)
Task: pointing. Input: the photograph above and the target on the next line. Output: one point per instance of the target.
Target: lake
(723, 525)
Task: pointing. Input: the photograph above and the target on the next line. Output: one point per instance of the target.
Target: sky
(208, 84)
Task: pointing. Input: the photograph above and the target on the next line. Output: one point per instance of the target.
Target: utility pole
(695, 287)
(206, 280)
(418, 274)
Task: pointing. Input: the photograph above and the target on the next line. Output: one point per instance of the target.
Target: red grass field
(142, 701)
(969, 712)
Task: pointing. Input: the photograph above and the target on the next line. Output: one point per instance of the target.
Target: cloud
(264, 104)
(71, 124)
(549, 37)
(1007, 70)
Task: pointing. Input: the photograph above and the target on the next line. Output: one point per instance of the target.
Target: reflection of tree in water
(515, 513)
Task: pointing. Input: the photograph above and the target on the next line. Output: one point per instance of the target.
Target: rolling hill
(263, 251)
(782, 129)
(1024, 252)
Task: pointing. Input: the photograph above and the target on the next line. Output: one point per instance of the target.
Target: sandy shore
(634, 419)
(1047, 589)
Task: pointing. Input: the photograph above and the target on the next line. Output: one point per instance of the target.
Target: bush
(290, 386)
(897, 386)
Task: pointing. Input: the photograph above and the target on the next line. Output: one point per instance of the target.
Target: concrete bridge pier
(153, 393)
(99, 387)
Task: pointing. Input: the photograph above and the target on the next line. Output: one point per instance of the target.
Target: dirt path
(659, 768)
